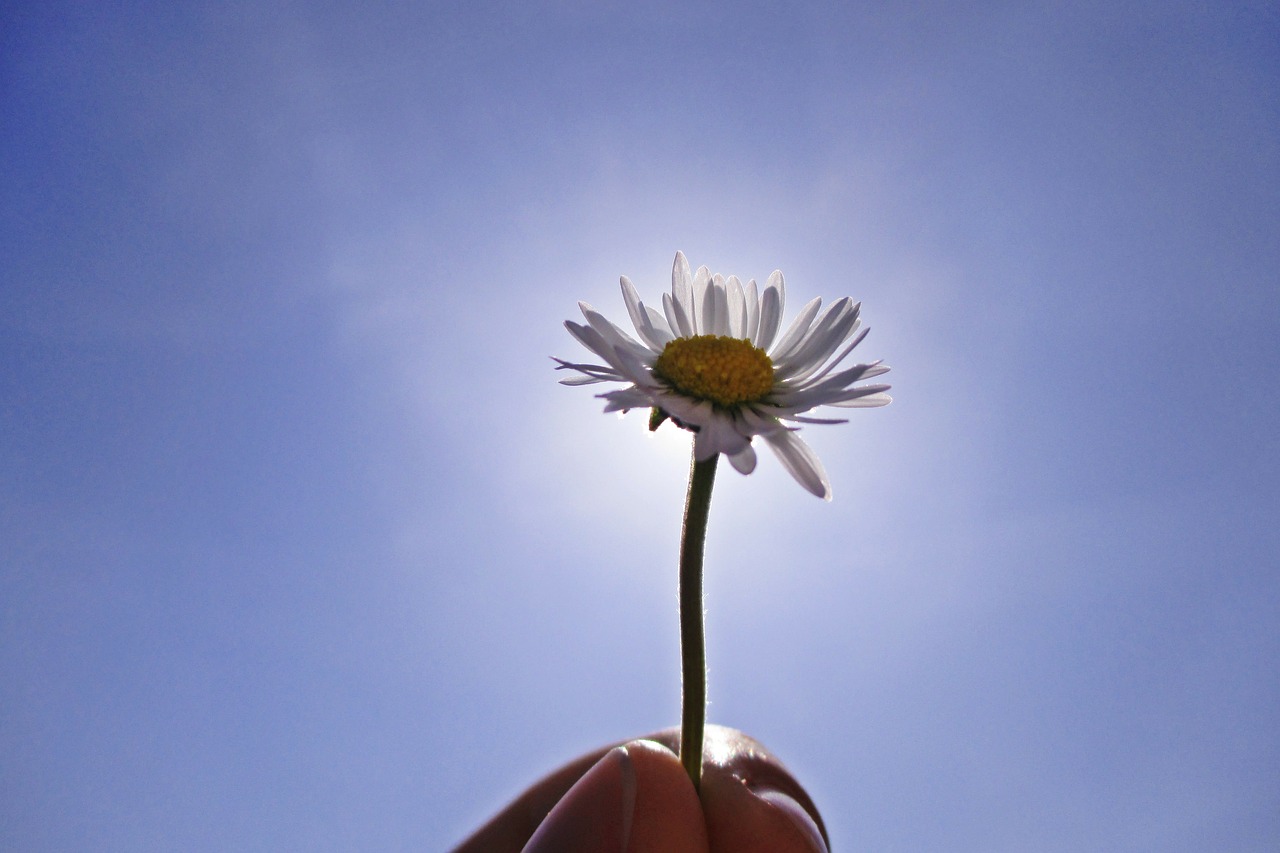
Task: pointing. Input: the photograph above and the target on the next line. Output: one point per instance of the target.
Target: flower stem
(693, 647)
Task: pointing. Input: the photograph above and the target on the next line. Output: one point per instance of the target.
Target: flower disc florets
(727, 371)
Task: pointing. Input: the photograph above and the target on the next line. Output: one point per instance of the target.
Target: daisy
(712, 361)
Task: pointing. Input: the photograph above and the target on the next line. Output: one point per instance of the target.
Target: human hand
(636, 797)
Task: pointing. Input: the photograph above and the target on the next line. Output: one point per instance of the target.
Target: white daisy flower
(713, 363)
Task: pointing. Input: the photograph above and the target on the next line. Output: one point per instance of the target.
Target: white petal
(857, 339)
(701, 281)
(792, 349)
(684, 409)
(770, 317)
(718, 435)
(804, 420)
(802, 401)
(831, 330)
(634, 369)
(615, 336)
(625, 399)
(801, 462)
(682, 287)
(744, 462)
(752, 298)
(679, 319)
(870, 402)
(592, 373)
(838, 382)
(796, 331)
(807, 362)
(599, 371)
(779, 283)
(878, 368)
(737, 307)
(610, 331)
(592, 340)
(658, 326)
(709, 309)
(697, 413)
(640, 317)
(757, 422)
(632, 298)
(721, 289)
(732, 441)
(710, 313)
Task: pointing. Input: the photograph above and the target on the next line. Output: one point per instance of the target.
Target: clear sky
(303, 548)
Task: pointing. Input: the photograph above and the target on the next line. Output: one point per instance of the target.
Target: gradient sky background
(303, 547)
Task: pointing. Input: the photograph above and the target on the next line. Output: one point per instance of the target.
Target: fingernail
(595, 814)
(796, 814)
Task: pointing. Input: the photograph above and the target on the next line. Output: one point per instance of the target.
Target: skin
(635, 797)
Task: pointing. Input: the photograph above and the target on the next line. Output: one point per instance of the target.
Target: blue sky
(302, 547)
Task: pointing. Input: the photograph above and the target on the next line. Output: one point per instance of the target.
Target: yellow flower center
(727, 371)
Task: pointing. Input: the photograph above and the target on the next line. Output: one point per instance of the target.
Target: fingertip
(668, 815)
(795, 813)
(594, 814)
(635, 799)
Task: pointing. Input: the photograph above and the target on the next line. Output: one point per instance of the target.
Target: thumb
(635, 799)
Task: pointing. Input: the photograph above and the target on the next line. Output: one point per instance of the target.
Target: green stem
(693, 647)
